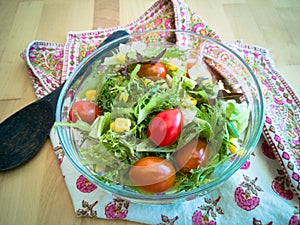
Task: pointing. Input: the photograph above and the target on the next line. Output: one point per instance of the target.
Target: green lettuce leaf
(238, 115)
(100, 125)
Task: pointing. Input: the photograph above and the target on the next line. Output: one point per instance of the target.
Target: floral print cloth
(265, 190)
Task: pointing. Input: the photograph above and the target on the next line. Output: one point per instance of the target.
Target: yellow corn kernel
(147, 81)
(90, 95)
(193, 101)
(172, 67)
(120, 125)
(121, 57)
(124, 96)
(112, 126)
(234, 146)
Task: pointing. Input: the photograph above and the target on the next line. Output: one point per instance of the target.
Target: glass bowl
(217, 62)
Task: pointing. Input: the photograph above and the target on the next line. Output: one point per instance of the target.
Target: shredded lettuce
(211, 118)
(238, 115)
(100, 126)
(79, 124)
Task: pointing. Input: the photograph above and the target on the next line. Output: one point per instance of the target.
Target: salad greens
(121, 93)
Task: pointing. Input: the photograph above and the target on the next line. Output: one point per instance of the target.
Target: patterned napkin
(264, 191)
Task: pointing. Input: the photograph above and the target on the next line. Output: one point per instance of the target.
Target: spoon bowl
(23, 134)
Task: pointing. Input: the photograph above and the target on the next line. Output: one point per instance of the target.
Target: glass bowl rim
(87, 61)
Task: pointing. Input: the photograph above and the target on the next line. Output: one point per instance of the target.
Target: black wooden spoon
(23, 134)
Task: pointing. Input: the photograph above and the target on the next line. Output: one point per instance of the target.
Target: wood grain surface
(36, 193)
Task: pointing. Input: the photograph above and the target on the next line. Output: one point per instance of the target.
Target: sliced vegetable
(153, 174)
(153, 72)
(193, 155)
(84, 110)
(165, 127)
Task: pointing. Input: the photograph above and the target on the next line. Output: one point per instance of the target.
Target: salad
(155, 120)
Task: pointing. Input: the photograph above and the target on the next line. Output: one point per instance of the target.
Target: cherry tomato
(165, 127)
(153, 72)
(153, 174)
(86, 110)
(193, 154)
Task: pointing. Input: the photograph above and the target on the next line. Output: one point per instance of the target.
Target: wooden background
(35, 193)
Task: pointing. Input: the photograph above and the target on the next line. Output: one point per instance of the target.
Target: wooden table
(36, 193)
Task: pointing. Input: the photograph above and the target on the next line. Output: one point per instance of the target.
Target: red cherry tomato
(165, 127)
(153, 174)
(86, 110)
(193, 154)
(153, 72)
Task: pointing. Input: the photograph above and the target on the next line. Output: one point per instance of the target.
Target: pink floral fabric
(45, 60)
(265, 190)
